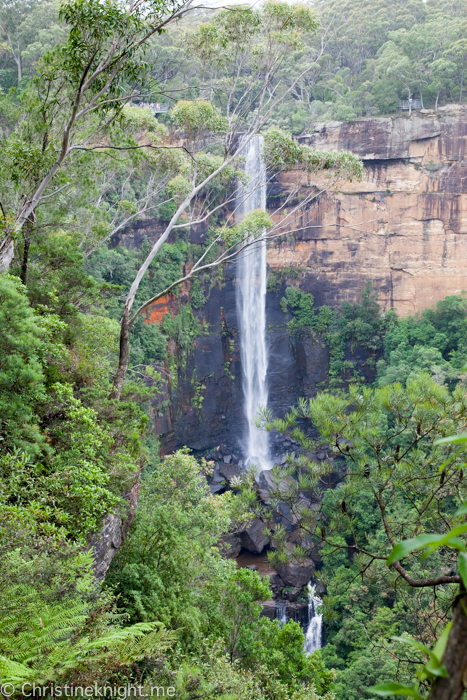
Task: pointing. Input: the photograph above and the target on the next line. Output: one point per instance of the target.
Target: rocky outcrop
(296, 574)
(106, 543)
(403, 227)
(253, 538)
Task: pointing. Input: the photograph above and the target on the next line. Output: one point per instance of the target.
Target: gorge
(402, 228)
(233, 349)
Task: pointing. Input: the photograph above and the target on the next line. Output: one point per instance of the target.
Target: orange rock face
(404, 227)
(158, 310)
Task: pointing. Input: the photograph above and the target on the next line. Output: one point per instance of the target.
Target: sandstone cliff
(402, 227)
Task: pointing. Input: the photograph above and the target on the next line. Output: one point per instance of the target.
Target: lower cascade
(251, 309)
(281, 614)
(315, 622)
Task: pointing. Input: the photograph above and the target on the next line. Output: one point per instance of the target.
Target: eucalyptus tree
(374, 52)
(78, 92)
(101, 192)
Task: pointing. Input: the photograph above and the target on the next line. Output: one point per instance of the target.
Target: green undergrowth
(393, 348)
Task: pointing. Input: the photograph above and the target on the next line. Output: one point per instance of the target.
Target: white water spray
(315, 622)
(251, 309)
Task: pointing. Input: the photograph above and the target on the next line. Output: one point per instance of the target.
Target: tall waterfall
(251, 310)
(315, 622)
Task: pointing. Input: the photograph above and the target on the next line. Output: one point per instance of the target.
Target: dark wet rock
(228, 471)
(217, 482)
(292, 594)
(269, 610)
(230, 546)
(276, 584)
(299, 612)
(253, 539)
(284, 516)
(295, 574)
(217, 488)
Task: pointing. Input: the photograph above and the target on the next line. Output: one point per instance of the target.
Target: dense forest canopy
(116, 113)
(370, 55)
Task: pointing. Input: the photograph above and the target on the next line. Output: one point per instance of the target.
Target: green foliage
(402, 480)
(183, 328)
(197, 297)
(64, 639)
(279, 25)
(282, 152)
(301, 304)
(169, 547)
(351, 328)
(212, 675)
(252, 226)
(22, 380)
(66, 450)
(198, 116)
(281, 650)
(432, 341)
(377, 54)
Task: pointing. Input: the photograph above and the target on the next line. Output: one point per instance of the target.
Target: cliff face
(297, 365)
(403, 226)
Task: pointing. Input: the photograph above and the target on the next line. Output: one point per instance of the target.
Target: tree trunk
(436, 104)
(7, 251)
(27, 231)
(20, 72)
(462, 86)
(124, 356)
(455, 656)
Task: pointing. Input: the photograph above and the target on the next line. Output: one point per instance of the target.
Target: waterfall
(315, 622)
(251, 310)
(281, 614)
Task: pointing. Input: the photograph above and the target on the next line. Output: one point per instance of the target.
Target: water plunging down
(281, 614)
(251, 310)
(315, 622)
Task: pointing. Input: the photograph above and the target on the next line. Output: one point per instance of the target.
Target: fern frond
(124, 646)
(14, 672)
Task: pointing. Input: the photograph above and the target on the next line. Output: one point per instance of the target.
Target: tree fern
(42, 643)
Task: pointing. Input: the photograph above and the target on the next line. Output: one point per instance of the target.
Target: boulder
(296, 575)
(292, 594)
(265, 483)
(269, 610)
(217, 482)
(253, 539)
(230, 546)
(230, 470)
